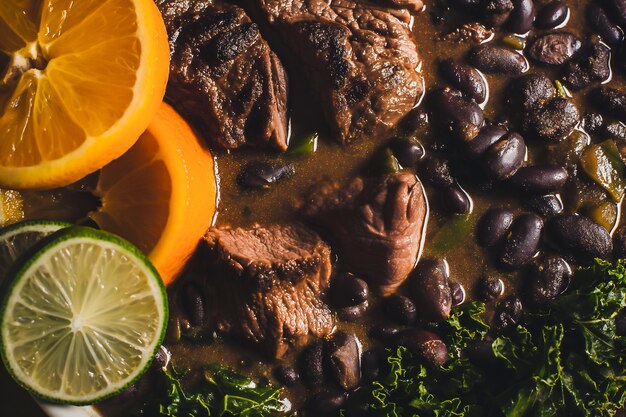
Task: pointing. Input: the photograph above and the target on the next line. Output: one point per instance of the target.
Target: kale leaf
(565, 358)
(221, 393)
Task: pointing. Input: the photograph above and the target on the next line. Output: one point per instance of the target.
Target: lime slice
(83, 317)
(20, 237)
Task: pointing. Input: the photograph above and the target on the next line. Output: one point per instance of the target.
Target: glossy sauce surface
(449, 237)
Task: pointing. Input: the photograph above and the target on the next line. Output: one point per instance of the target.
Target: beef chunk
(268, 284)
(223, 76)
(592, 66)
(360, 57)
(413, 5)
(377, 224)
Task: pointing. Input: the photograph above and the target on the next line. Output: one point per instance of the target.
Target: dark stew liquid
(460, 188)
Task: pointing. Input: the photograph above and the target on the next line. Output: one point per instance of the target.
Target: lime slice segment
(20, 237)
(83, 317)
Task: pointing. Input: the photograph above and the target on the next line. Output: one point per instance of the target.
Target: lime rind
(103, 329)
(18, 238)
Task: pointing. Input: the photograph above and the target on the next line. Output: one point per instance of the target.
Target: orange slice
(161, 194)
(83, 80)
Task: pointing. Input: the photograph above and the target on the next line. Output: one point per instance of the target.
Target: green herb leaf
(222, 393)
(453, 233)
(565, 359)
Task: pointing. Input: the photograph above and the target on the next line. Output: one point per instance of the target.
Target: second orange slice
(161, 194)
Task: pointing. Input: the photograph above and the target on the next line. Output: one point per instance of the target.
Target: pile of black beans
(554, 98)
(334, 367)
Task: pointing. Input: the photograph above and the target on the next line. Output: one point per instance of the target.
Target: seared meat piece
(359, 55)
(377, 224)
(267, 284)
(413, 5)
(223, 76)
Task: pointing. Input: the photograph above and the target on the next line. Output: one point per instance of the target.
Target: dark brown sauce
(239, 207)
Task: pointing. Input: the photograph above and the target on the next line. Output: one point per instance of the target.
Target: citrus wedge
(83, 81)
(83, 317)
(18, 238)
(160, 195)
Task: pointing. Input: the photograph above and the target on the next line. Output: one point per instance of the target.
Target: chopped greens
(220, 393)
(564, 359)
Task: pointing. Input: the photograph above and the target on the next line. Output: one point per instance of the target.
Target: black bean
(407, 151)
(400, 309)
(545, 205)
(353, 313)
(312, 364)
(521, 242)
(370, 365)
(592, 65)
(462, 116)
(286, 375)
(540, 178)
(414, 120)
(436, 171)
(455, 200)
(328, 401)
(579, 237)
(358, 403)
(603, 26)
(619, 243)
(497, 60)
(522, 16)
(547, 279)
(552, 121)
(261, 175)
(619, 8)
(458, 293)
(554, 48)
(193, 303)
(503, 159)
(344, 359)
(508, 313)
(481, 354)
(551, 15)
(487, 136)
(384, 332)
(493, 226)
(592, 123)
(530, 90)
(162, 358)
(348, 290)
(610, 100)
(496, 12)
(425, 344)
(431, 291)
(464, 78)
(489, 288)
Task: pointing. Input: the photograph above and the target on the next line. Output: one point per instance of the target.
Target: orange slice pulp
(81, 81)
